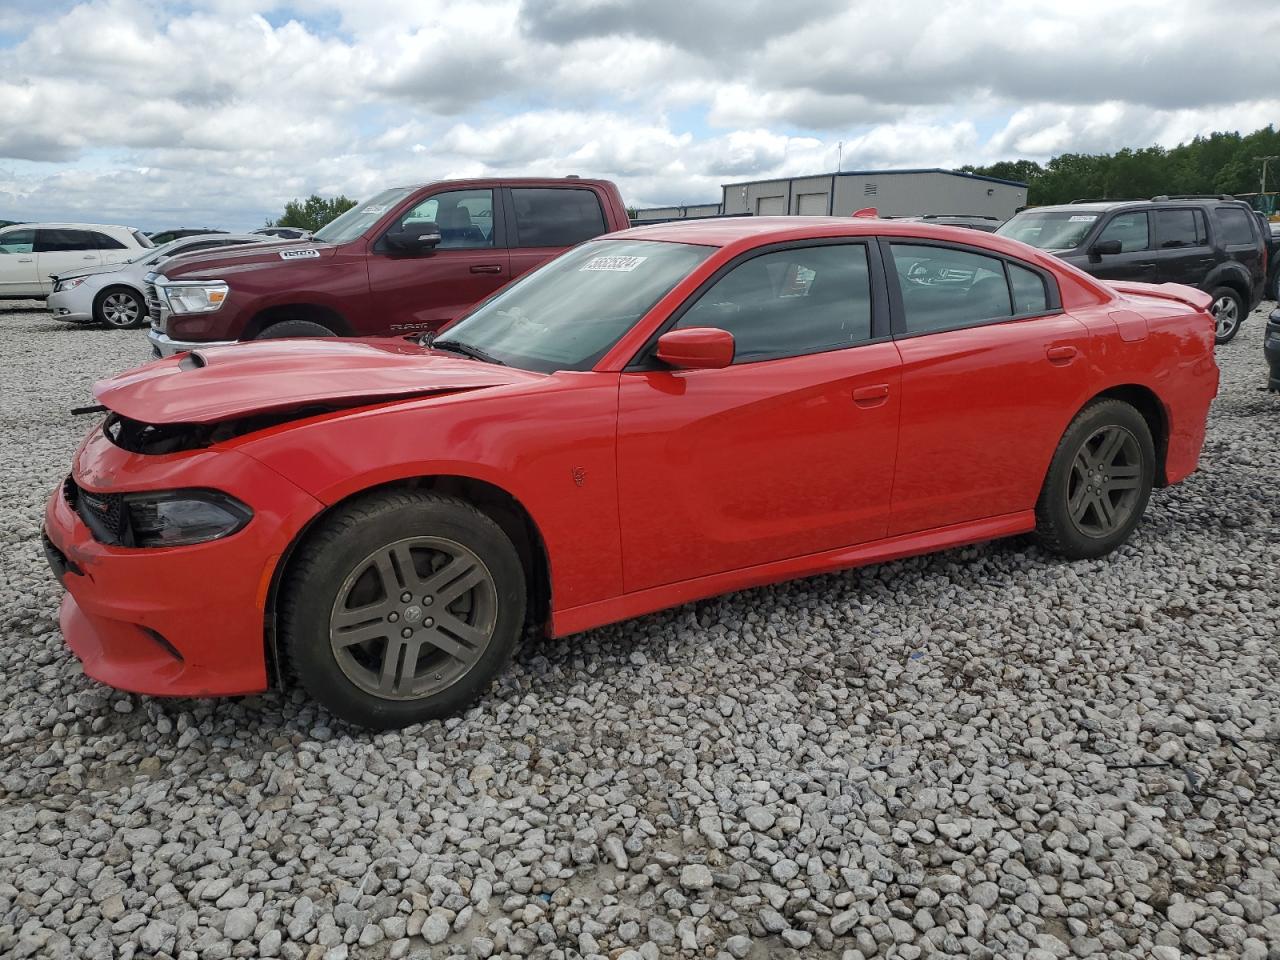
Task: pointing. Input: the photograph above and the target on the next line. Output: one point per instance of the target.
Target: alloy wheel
(1105, 482)
(121, 309)
(413, 617)
(1226, 316)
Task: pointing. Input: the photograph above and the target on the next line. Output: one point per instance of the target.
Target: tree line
(1219, 163)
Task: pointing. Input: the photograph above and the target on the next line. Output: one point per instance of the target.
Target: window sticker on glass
(377, 208)
(1083, 218)
(612, 264)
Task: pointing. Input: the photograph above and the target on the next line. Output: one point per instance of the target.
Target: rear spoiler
(1178, 292)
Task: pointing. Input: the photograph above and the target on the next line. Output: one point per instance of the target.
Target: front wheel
(1098, 483)
(402, 607)
(294, 328)
(121, 308)
(1228, 313)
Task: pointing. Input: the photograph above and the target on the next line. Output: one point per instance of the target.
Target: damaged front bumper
(175, 621)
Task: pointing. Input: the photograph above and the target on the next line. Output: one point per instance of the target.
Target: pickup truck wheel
(121, 308)
(294, 328)
(402, 607)
(1098, 482)
(1228, 313)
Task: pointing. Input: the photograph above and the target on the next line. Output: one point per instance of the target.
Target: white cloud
(217, 111)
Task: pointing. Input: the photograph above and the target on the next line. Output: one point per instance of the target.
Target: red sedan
(664, 414)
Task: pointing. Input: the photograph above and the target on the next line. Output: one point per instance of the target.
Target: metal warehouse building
(894, 193)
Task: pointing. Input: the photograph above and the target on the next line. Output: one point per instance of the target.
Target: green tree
(313, 212)
(1218, 163)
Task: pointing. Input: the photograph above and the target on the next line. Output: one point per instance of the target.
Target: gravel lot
(985, 753)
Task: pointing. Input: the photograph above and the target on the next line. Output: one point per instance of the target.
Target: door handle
(871, 396)
(1061, 355)
(26, 259)
(486, 268)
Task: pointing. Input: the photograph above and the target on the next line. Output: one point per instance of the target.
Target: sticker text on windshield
(612, 264)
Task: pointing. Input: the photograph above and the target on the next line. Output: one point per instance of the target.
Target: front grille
(105, 514)
(153, 306)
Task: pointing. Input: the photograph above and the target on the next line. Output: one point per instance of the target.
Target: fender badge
(309, 253)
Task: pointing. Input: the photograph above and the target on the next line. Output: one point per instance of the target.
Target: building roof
(878, 173)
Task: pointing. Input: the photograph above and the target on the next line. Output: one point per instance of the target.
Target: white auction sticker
(613, 264)
(1082, 218)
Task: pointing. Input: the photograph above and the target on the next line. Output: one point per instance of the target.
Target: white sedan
(114, 294)
(31, 252)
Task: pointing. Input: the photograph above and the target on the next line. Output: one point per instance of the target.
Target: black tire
(1231, 305)
(294, 328)
(122, 308)
(1069, 515)
(338, 559)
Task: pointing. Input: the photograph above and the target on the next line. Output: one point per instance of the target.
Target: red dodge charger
(655, 416)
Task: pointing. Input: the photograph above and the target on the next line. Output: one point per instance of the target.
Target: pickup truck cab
(410, 259)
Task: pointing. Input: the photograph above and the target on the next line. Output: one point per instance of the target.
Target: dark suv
(1213, 243)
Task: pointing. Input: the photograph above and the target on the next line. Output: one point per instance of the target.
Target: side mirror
(696, 348)
(413, 238)
(1105, 248)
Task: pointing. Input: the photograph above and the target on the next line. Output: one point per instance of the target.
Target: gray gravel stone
(983, 753)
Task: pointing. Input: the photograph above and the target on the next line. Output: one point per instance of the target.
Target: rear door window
(1234, 225)
(60, 240)
(1131, 229)
(944, 288)
(1180, 228)
(556, 216)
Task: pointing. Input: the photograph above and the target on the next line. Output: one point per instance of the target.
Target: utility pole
(1265, 160)
(840, 158)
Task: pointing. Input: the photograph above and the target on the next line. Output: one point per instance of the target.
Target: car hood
(276, 376)
(220, 262)
(90, 271)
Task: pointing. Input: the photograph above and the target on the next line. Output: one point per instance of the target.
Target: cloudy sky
(215, 112)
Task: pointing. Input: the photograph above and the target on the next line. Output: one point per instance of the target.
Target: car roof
(59, 225)
(751, 231)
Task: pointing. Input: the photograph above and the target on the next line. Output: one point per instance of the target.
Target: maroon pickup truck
(409, 259)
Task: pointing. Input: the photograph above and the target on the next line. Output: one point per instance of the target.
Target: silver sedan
(113, 294)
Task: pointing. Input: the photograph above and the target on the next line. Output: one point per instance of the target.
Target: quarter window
(1131, 229)
(102, 242)
(556, 217)
(944, 288)
(1234, 225)
(790, 302)
(1029, 295)
(465, 218)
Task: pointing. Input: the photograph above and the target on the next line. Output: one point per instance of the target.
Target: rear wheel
(1098, 483)
(1228, 313)
(120, 307)
(294, 328)
(402, 607)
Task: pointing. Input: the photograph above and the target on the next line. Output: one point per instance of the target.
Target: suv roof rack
(1105, 200)
(957, 216)
(1194, 196)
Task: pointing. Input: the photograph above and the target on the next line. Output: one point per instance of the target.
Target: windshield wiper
(465, 349)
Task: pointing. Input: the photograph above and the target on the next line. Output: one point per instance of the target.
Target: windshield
(154, 254)
(361, 217)
(1050, 229)
(566, 314)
